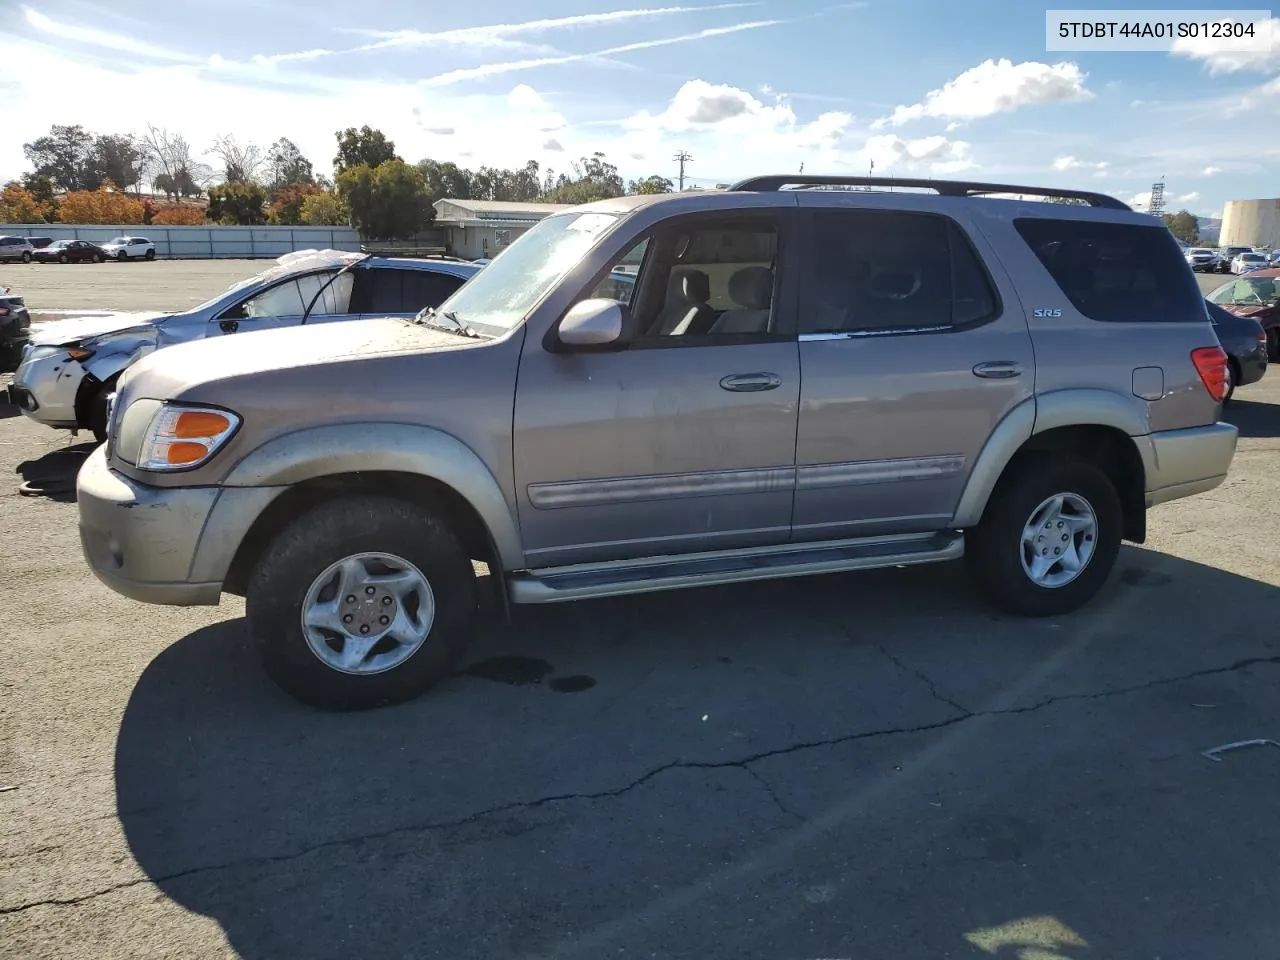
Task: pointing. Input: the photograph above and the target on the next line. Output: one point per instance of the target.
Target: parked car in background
(1202, 260)
(130, 248)
(71, 366)
(15, 325)
(16, 248)
(1245, 343)
(1245, 262)
(1256, 295)
(585, 445)
(39, 243)
(1227, 254)
(70, 251)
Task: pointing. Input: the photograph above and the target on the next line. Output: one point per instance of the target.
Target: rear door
(397, 291)
(913, 347)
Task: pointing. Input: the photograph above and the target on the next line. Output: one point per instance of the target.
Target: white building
(483, 228)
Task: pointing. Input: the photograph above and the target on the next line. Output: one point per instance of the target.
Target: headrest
(689, 285)
(752, 287)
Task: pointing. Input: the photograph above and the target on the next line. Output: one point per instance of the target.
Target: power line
(682, 158)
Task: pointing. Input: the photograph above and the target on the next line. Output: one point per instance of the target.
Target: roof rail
(946, 188)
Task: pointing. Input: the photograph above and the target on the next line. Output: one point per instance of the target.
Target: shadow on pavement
(499, 818)
(53, 475)
(1254, 419)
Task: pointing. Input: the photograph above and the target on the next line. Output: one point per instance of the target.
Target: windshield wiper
(428, 314)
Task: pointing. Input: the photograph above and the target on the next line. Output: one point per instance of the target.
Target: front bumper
(1180, 463)
(45, 389)
(169, 545)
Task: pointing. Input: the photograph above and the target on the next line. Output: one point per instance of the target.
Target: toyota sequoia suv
(799, 380)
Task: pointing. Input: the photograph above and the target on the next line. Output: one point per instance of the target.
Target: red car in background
(1255, 294)
(70, 251)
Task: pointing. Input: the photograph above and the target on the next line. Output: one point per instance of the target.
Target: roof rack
(946, 188)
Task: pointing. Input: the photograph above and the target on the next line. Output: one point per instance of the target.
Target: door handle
(998, 370)
(229, 326)
(750, 382)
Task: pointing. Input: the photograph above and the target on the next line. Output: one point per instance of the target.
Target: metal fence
(201, 243)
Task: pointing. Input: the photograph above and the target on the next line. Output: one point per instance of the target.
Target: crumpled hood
(167, 372)
(58, 332)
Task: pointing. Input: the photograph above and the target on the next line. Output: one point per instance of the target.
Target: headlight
(166, 437)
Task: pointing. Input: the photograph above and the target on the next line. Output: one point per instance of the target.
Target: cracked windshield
(758, 479)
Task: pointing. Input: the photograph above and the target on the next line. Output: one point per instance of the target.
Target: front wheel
(98, 411)
(62, 258)
(361, 602)
(100, 258)
(122, 256)
(1048, 539)
(150, 255)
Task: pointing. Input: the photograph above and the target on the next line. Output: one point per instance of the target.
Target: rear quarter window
(1116, 272)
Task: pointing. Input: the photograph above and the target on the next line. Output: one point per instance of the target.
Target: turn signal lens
(182, 437)
(79, 355)
(1211, 364)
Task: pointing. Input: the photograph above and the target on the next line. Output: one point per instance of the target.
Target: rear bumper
(1180, 463)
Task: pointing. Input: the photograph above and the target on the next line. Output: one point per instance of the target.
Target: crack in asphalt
(743, 763)
(773, 795)
(915, 672)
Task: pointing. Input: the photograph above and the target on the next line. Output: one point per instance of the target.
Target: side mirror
(592, 323)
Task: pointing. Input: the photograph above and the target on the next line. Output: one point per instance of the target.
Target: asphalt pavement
(859, 766)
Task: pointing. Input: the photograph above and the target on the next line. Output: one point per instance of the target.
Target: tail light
(1211, 364)
(1262, 335)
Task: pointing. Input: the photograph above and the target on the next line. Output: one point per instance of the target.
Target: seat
(687, 308)
(751, 288)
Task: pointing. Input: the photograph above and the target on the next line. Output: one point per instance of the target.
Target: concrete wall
(202, 243)
(1252, 222)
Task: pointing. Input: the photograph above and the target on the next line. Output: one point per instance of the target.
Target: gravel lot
(869, 766)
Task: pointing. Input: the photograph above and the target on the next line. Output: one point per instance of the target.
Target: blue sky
(920, 87)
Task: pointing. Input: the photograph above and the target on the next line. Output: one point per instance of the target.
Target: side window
(876, 271)
(282, 300)
(699, 280)
(1116, 272)
(377, 290)
(336, 298)
(426, 288)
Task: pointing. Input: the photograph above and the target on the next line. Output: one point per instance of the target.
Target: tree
(238, 203)
(62, 155)
(41, 189)
(446, 180)
(240, 161)
(286, 205)
(179, 215)
(104, 205)
(18, 205)
(594, 179)
(115, 157)
(366, 145)
(654, 184)
(324, 209)
(387, 202)
(173, 170)
(287, 166)
(1183, 225)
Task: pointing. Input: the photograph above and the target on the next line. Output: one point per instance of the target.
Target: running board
(579, 581)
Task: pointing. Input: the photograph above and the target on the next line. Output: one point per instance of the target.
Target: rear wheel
(1049, 537)
(361, 602)
(26, 256)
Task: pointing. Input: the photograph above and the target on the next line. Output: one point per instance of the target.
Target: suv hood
(61, 332)
(167, 373)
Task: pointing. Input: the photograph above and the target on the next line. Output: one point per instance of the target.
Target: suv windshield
(500, 296)
(1248, 291)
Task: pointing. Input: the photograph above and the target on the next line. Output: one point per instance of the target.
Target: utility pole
(682, 158)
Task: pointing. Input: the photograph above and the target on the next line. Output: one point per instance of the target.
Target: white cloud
(1227, 55)
(701, 104)
(1210, 171)
(553, 145)
(1191, 197)
(511, 66)
(1062, 164)
(935, 154)
(995, 86)
(98, 38)
(1140, 201)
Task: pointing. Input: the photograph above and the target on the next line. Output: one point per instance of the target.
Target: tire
(294, 565)
(98, 411)
(121, 256)
(62, 258)
(1273, 344)
(995, 552)
(26, 257)
(150, 255)
(99, 258)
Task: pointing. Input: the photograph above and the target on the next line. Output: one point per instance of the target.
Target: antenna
(682, 158)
